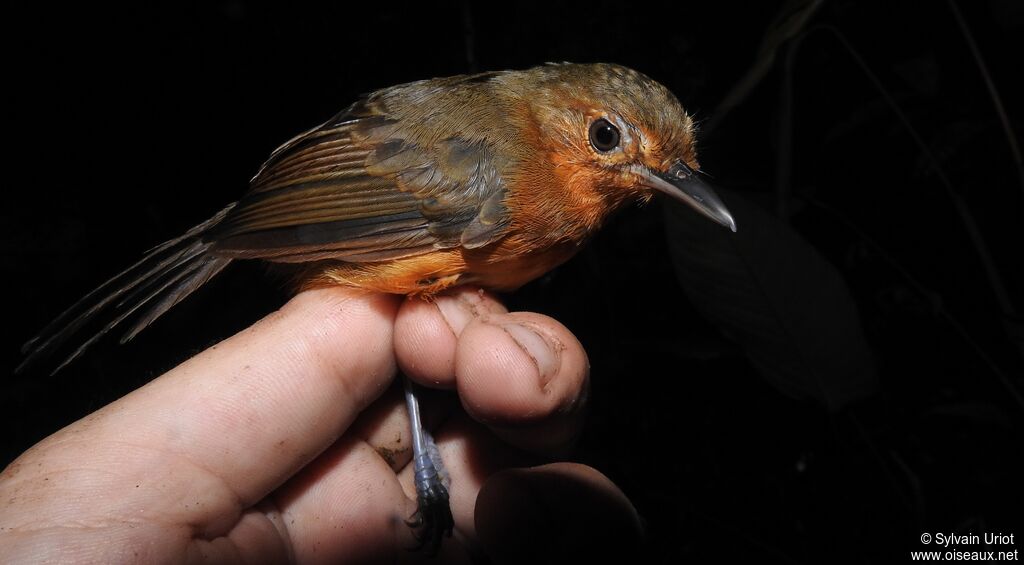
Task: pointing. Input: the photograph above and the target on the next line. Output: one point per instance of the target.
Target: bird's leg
(433, 517)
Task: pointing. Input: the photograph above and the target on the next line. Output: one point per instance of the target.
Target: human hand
(285, 443)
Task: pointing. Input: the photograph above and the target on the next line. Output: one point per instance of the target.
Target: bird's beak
(682, 183)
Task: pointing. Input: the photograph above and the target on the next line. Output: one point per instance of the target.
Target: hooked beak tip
(728, 222)
(682, 183)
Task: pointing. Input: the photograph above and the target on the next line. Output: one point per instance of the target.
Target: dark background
(849, 378)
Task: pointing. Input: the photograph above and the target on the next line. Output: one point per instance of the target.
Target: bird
(489, 179)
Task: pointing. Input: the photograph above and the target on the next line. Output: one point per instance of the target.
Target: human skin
(289, 443)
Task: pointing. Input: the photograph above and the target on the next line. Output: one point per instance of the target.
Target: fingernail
(455, 313)
(543, 353)
(464, 306)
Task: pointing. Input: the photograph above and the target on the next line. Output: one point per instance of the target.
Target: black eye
(604, 136)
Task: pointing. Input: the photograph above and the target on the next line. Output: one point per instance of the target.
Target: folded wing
(362, 188)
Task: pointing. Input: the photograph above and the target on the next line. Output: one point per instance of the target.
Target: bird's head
(613, 130)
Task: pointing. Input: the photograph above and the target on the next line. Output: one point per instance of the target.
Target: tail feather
(206, 268)
(167, 273)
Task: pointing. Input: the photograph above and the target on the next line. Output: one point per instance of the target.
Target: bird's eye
(604, 136)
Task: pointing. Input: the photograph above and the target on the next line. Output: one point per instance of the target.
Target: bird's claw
(433, 518)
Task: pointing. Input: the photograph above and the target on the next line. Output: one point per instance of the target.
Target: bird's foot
(433, 517)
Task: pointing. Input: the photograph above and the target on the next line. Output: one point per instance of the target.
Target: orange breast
(503, 266)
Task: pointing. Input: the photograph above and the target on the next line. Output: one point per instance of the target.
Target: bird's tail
(143, 292)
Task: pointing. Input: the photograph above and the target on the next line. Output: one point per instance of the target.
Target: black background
(126, 127)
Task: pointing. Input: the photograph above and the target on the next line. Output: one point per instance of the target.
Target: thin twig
(931, 296)
(789, 21)
(993, 93)
(991, 272)
(784, 152)
(914, 503)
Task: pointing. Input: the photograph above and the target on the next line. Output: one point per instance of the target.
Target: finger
(384, 426)
(346, 507)
(566, 512)
(349, 507)
(222, 430)
(525, 376)
(426, 332)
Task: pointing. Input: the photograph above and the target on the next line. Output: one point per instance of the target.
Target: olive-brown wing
(356, 189)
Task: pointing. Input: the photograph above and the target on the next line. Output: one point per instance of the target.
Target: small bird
(489, 179)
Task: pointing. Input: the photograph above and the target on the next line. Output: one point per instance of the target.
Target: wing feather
(361, 188)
